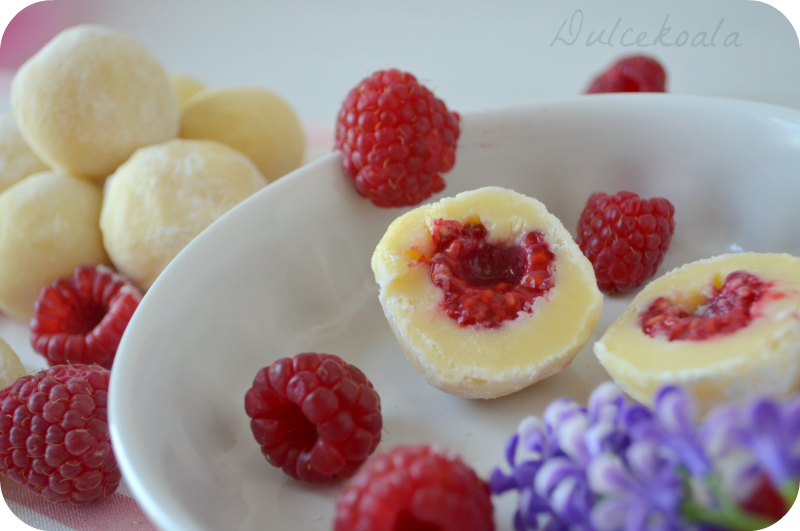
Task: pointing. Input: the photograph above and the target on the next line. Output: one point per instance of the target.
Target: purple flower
(526, 451)
(614, 466)
(673, 426)
(588, 432)
(640, 491)
(563, 484)
(766, 431)
(548, 459)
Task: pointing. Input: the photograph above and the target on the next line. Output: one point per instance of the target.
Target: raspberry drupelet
(81, 319)
(631, 74)
(315, 416)
(396, 139)
(625, 238)
(54, 436)
(415, 488)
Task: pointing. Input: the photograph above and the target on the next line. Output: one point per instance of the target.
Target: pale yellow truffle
(90, 98)
(17, 161)
(185, 87)
(164, 196)
(49, 225)
(254, 121)
(11, 369)
(760, 358)
(476, 362)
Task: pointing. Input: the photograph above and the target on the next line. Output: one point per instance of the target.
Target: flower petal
(635, 414)
(533, 438)
(500, 483)
(607, 475)
(559, 410)
(675, 410)
(571, 438)
(524, 473)
(552, 473)
(765, 416)
(644, 459)
(511, 449)
(610, 514)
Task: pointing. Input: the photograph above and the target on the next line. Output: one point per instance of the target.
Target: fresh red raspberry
(486, 284)
(727, 309)
(625, 238)
(765, 501)
(415, 488)
(315, 416)
(631, 74)
(54, 434)
(81, 319)
(396, 138)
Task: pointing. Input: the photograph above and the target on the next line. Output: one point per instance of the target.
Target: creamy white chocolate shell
(164, 196)
(762, 358)
(11, 369)
(253, 121)
(17, 160)
(49, 225)
(90, 98)
(470, 361)
(185, 87)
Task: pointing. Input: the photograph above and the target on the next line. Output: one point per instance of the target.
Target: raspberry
(631, 74)
(728, 309)
(765, 500)
(415, 488)
(625, 238)
(396, 138)
(81, 319)
(315, 416)
(485, 284)
(54, 434)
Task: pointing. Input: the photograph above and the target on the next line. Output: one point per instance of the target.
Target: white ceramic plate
(288, 271)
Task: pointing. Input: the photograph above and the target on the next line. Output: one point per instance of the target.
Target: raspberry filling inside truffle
(729, 308)
(484, 283)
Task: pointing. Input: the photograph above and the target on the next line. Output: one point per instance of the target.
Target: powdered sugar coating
(90, 98)
(17, 160)
(254, 121)
(164, 196)
(48, 227)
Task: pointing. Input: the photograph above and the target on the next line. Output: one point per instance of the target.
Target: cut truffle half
(725, 328)
(486, 292)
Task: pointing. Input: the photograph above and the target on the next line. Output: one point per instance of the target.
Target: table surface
(474, 55)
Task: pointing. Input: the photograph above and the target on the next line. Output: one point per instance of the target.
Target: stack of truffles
(109, 160)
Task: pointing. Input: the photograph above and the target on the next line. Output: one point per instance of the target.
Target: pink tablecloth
(119, 512)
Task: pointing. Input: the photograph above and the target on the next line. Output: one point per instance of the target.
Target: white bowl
(288, 271)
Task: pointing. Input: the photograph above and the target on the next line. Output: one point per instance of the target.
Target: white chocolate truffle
(472, 361)
(17, 161)
(49, 225)
(11, 369)
(185, 87)
(164, 196)
(762, 357)
(254, 121)
(90, 98)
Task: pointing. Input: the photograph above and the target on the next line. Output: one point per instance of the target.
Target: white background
(475, 54)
